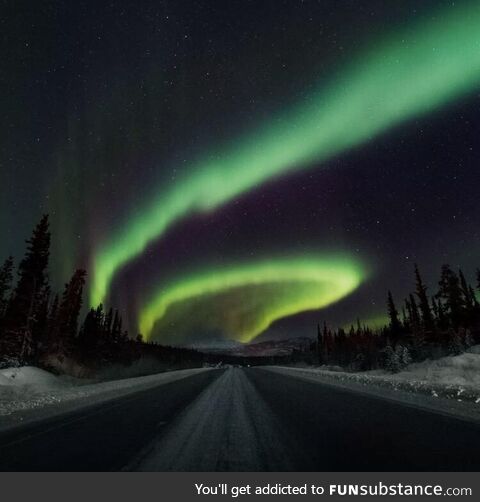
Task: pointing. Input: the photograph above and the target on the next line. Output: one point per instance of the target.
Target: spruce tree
(395, 325)
(468, 300)
(29, 293)
(451, 293)
(117, 327)
(69, 310)
(392, 362)
(442, 315)
(53, 315)
(108, 324)
(6, 277)
(423, 303)
(40, 327)
(91, 332)
(413, 315)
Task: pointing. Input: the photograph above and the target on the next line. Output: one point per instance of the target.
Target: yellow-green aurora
(250, 296)
(412, 72)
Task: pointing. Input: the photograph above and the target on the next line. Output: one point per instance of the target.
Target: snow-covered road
(281, 419)
(228, 428)
(245, 419)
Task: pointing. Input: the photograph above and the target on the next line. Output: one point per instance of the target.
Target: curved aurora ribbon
(295, 284)
(404, 76)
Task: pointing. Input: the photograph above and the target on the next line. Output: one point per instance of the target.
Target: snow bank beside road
(458, 372)
(449, 384)
(34, 378)
(453, 377)
(28, 388)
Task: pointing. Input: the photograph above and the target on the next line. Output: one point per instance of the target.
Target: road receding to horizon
(245, 419)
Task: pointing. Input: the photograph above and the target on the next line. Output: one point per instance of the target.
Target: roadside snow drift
(29, 387)
(452, 377)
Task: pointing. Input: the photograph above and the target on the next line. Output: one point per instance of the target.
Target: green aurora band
(293, 285)
(410, 73)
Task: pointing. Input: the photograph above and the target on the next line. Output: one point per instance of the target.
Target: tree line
(41, 328)
(446, 322)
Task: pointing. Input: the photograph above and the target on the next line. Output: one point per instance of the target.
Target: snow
(452, 382)
(454, 371)
(29, 393)
(451, 377)
(27, 389)
(228, 427)
(34, 378)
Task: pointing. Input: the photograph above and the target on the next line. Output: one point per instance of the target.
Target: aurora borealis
(268, 291)
(243, 170)
(412, 72)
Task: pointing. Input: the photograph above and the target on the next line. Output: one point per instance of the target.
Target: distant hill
(264, 349)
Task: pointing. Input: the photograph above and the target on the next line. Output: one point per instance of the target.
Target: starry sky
(242, 170)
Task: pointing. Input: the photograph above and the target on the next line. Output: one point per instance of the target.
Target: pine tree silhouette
(67, 318)
(395, 325)
(6, 277)
(451, 293)
(29, 294)
(423, 303)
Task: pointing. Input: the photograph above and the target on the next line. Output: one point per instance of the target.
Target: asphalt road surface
(245, 420)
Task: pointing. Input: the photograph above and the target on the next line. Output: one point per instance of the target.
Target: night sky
(243, 169)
